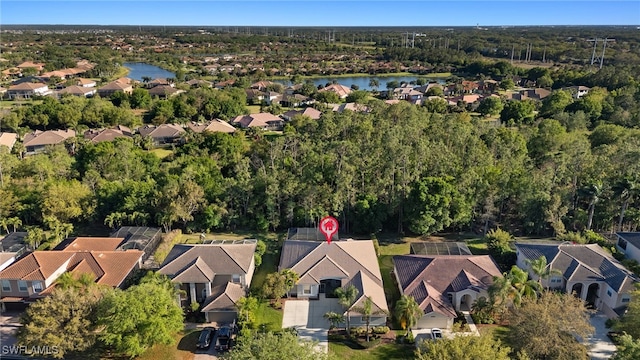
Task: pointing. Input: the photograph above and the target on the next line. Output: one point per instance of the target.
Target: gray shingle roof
(582, 263)
(223, 298)
(225, 259)
(632, 238)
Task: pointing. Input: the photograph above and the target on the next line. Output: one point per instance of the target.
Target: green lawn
(498, 332)
(183, 348)
(253, 109)
(381, 352)
(161, 153)
(268, 316)
(478, 247)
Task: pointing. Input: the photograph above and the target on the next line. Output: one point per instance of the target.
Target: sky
(321, 13)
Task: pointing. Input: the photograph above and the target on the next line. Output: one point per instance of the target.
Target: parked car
(436, 334)
(206, 335)
(225, 338)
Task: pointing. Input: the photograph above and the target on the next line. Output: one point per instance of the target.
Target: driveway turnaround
(600, 346)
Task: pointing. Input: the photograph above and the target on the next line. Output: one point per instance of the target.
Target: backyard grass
(381, 352)
(183, 348)
(498, 332)
(268, 317)
(253, 109)
(478, 247)
(161, 153)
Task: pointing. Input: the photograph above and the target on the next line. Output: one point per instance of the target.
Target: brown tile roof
(77, 90)
(256, 120)
(353, 261)
(224, 297)
(116, 86)
(49, 137)
(31, 64)
(310, 112)
(223, 259)
(82, 81)
(164, 90)
(26, 86)
(97, 136)
(116, 265)
(38, 265)
(161, 131)
(8, 139)
(341, 90)
(428, 278)
(94, 244)
(218, 125)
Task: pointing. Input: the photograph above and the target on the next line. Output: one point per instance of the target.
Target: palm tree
(34, 237)
(541, 269)
(627, 189)
(367, 312)
(592, 192)
(346, 297)
(68, 281)
(512, 287)
(408, 312)
(334, 318)
(15, 222)
(4, 222)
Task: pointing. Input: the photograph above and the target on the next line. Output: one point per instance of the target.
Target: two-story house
(213, 275)
(587, 271)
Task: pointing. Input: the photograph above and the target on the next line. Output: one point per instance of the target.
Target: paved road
(600, 346)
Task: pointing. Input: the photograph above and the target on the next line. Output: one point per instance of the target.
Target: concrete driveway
(308, 317)
(9, 324)
(600, 346)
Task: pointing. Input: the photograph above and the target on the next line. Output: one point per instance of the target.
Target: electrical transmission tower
(595, 57)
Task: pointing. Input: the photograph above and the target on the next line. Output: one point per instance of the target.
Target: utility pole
(544, 54)
(513, 48)
(594, 57)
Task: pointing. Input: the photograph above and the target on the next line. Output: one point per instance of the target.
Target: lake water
(138, 70)
(363, 81)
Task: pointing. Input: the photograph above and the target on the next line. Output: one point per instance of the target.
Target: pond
(363, 81)
(139, 70)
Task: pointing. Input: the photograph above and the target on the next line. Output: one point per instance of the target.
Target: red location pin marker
(329, 227)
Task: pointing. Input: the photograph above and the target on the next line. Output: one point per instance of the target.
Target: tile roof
(97, 136)
(25, 86)
(49, 137)
(93, 243)
(581, 263)
(8, 139)
(108, 267)
(339, 89)
(77, 90)
(223, 297)
(161, 131)
(256, 120)
(428, 278)
(225, 259)
(353, 261)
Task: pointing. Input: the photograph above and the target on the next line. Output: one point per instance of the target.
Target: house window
(235, 278)
(22, 285)
(37, 286)
(556, 280)
(450, 297)
(306, 289)
(625, 300)
(6, 285)
(622, 243)
(609, 292)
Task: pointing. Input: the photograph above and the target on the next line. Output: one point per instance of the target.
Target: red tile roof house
(86, 83)
(264, 121)
(34, 275)
(214, 275)
(38, 141)
(310, 112)
(76, 90)
(323, 267)
(163, 134)
(444, 284)
(164, 91)
(27, 90)
(31, 64)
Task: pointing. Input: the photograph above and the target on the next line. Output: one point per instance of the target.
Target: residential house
(407, 93)
(444, 284)
(341, 90)
(14, 243)
(145, 239)
(163, 134)
(350, 106)
(97, 136)
(310, 112)
(164, 91)
(264, 121)
(86, 83)
(261, 85)
(534, 94)
(254, 96)
(213, 275)
(38, 141)
(194, 83)
(27, 90)
(159, 81)
(8, 139)
(34, 276)
(577, 91)
(586, 270)
(323, 267)
(6, 259)
(295, 100)
(76, 90)
(113, 87)
(2, 92)
(215, 125)
(629, 244)
(30, 64)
